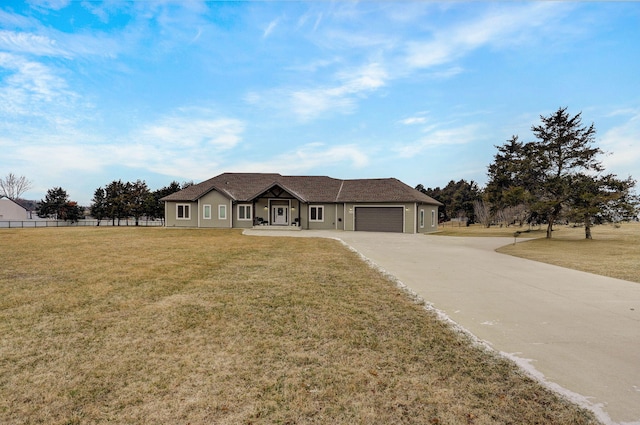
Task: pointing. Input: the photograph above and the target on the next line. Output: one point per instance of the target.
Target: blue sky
(93, 91)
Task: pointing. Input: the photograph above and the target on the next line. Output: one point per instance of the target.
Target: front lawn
(150, 326)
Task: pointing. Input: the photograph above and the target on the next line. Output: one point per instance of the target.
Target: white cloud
(192, 132)
(509, 26)
(269, 29)
(447, 73)
(414, 120)
(341, 97)
(314, 17)
(42, 41)
(364, 79)
(9, 20)
(32, 89)
(188, 142)
(317, 155)
(385, 61)
(22, 42)
(304, 159)
(428, 54)
(440, 137)
(622, 144)
(50, 4)
(308, 104)
(314, 66)
(341, 39)
(66, 157)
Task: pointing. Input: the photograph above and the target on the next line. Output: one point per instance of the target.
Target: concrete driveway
(577, 332)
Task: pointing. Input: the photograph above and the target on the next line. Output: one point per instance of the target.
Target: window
(316, 213)
(183, 212)
(222, 212)
(433, 218)
(421, 218)
(244, 212)
(206, 212)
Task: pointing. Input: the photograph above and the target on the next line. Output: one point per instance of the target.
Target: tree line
(557, 176)
(116, 201)
(123, 200)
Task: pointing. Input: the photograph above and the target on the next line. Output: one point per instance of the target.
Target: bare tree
(482, 211)
(518, 214)
(13, 186)
(511, 215)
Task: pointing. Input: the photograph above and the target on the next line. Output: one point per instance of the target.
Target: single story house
(11, 210)
(245, 200)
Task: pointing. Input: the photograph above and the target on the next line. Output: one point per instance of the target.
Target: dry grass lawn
(613, 251)
(151, 326)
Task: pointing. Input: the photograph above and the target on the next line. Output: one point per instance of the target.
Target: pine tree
(99, 205)
(602, 198)
(563, 149)
(505, 187)
(56, 204)
(559, 173)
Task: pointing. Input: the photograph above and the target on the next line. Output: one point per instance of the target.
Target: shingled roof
(245, 187)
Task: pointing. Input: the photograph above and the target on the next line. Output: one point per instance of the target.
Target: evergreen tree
(116, 201)
(601, 198)
(99, 205)
(558, 173)
(56, 204)
(457, 197)
(563, 149)
(155, 207)
(506, 184)
(137, 194)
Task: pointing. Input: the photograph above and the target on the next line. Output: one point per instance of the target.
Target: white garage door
(379, 219)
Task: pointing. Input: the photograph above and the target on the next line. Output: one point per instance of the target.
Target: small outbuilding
(11, 210)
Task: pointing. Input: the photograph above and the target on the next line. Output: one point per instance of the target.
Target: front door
(280, 215)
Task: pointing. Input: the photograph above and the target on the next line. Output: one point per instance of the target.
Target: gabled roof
(381, 190)
(236, 186)
(245, 187)
(7, 199)
(272, 187)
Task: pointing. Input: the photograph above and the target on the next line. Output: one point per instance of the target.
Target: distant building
(11, 210)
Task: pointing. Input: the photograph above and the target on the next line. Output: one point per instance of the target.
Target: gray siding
(328, 221)
(171, 214)
(430, 223)
(214, 200)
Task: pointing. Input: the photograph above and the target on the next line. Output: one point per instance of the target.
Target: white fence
(21, 224)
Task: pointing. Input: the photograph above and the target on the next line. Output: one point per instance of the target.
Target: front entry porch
(276, 227)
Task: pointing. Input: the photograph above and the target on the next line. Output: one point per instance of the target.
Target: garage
(379, 219)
